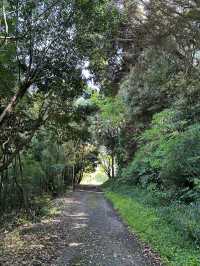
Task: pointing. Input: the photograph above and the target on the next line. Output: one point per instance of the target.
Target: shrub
(168, 156)
(154, 145)
(181, 167)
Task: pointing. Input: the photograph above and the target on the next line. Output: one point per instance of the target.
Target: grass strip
(155, 231)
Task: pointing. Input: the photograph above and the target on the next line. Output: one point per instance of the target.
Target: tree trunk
(73, 178)
(14, 101)
(21, 200)
(113, 165)
(4, 165)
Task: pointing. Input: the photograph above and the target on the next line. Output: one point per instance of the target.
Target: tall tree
(51, 42)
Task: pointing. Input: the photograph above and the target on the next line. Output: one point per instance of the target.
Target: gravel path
(96, 236)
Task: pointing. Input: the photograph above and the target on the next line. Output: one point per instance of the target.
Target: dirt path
(87, 232)
(97, 236)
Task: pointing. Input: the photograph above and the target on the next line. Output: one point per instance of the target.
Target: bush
(181, 167)
(168, 156)
(140, 170)
(154, 144)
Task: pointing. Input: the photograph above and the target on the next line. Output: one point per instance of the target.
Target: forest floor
(86, 231)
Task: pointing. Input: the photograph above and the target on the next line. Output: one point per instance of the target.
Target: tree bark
(73, 178)
(4, 165)
(113, 165)
(14, 101)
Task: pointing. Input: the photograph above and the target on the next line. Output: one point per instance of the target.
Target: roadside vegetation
(155, 139)
(45, 49)
(169, 229)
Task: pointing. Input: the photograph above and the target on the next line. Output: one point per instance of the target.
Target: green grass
(152, 227)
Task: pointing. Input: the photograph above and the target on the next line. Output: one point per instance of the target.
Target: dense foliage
(45, 47)
(114, 83)
(158, 152)
(158, 140)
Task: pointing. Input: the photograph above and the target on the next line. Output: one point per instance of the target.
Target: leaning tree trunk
(15, 100)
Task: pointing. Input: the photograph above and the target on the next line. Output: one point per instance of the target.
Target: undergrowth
(170, 228)
(40, 207)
